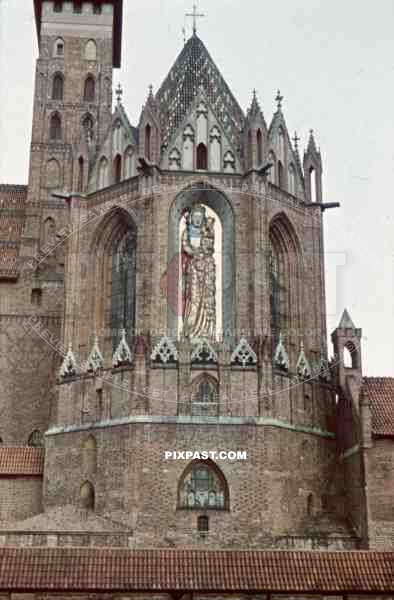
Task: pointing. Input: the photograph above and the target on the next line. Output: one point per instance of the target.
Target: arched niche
(218, 202)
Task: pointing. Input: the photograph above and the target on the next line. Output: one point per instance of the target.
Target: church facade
(165, 377)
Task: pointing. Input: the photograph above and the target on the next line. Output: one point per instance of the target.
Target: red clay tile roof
(122, 570)
(12, 219)
(21, 461)
(381, 394)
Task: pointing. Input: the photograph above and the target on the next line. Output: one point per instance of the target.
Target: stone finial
(119, 94)
(278, 100)
(244, 354)
(303, 367)
(122, 355)
(95, 360)
(281, 358)
(165, 351)
(68, 368)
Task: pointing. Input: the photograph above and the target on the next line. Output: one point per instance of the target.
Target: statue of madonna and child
(199, 274)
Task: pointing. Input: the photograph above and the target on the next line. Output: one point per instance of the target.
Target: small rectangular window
(96, 8)
(203, 523)
(78, 6)
(60, 49)
(58, 6)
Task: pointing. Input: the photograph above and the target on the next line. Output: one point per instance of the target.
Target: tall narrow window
(58, 6)
(97, 9)
(89, 89)
(203, 486)
(292, 180)
(274, 292)
(117, 168)
(103, 173)
(202, 157)
(272, 170)
(90, 50)
(259, 148)
(148, 141)
(312, 179)
(87, 496)
(285, 276)
(57, 87)
(280, 174)
(55, 128)
(58, 48)
(123, 287)
(87, 125)
(80, 174)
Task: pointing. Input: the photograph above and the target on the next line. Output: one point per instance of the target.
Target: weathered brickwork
(318, 473)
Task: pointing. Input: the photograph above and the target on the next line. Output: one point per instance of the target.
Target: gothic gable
(116, 158)
(194, 69)
(286, 171)
(201, 142)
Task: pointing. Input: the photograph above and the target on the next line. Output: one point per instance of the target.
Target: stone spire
(346, 321)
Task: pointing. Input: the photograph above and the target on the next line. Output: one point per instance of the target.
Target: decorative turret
(313, 171)
(149, 130)
(256, 135)
(346, 339)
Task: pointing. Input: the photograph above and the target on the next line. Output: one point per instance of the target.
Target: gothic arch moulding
(285, 265)
(203, 486)
(220, 205)
(114, 249)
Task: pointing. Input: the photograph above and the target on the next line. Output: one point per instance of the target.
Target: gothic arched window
(312, 184)
(58, 48)
(259, 148)
(117, 168)
(292, 180)
(129, 162)
(57, 87)
(272, 170)
(280, 174)
(88, 126)
(284, 277)
(89, 90)
(205, 400)
(202, 157)
(36, 439)
(148, 132)
(203, 485)
(55, 128)
(281, 144)
(90, 50)
(80, 174)
(103, 173)
(122, 309)
(87, 496)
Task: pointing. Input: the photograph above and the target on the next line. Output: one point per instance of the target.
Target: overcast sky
(333, 62)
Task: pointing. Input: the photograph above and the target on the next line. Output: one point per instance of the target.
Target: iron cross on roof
(195, 14)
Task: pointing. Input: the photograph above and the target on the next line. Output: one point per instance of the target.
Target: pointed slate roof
(194, 69)
(346, 321)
